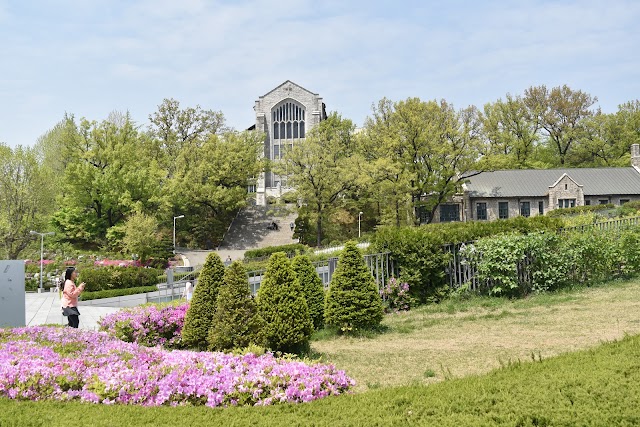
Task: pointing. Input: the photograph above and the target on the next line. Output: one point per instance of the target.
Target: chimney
(635, 155)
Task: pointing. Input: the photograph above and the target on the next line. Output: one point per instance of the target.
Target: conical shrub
(197, 321)
(353, 302)
(284, 308)
(236, 322)
(312, 288)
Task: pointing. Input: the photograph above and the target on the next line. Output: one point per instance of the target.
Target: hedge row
(111, 293)
(106, 278)
(420, 254)
(516, 265)
(293, 248)
(579, 209)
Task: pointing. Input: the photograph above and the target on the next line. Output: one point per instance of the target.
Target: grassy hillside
(435, 366)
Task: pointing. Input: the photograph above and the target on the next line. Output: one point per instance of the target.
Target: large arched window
(288, 123)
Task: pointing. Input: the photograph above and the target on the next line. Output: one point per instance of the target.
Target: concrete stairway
(249, 229)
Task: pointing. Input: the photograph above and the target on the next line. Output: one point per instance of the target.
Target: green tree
(210, 181)
(430, 147)
(560, 113)
(25, 197)
(322, 167)
(141, 235)
(109, 175)
(198, 318)
(389, 180)
(512, 133)
(353, 302)
(311, 287)
(175, 129)
(236, 322)
(283, 307)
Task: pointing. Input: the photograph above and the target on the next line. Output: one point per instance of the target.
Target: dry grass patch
(474, 336)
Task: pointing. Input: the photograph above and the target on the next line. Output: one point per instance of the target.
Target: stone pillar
(635, 155)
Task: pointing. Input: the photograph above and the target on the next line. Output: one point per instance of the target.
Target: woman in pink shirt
(70, 295)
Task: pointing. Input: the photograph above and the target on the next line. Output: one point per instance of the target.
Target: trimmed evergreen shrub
(203, 304)
(283, 307)
(312, 288)
(236, 322)
(353, 301)
(87, 296)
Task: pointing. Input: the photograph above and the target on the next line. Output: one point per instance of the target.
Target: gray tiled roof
(536, 182)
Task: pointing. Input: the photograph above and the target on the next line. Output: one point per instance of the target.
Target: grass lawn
(436, 366)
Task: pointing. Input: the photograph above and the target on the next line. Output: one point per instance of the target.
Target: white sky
(91, 57)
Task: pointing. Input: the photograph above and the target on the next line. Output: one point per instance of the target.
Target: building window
(481, 211)
(424, 216)
(288, 121)
(603, 201)
(540, 207)
(566, 187)
(623, 201)
(503, 210)
(276, 151)
(587, 202)
(449, 213)
(566, 203)
(525, 209)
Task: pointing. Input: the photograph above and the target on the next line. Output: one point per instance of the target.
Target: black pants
(74, 320)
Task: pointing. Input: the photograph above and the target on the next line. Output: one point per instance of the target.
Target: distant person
(292, 226)
(70, 293)
(188, 291)
(228, 261)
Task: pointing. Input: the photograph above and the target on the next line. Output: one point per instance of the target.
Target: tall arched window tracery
(288, 123)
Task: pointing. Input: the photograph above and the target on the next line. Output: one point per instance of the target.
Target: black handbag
(70, 311)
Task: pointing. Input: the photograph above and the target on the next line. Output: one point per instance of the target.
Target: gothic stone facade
(285, 115)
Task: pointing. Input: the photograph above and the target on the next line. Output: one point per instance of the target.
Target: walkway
(44, 309)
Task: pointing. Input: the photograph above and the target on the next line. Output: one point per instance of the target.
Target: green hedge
(419, 252)
(516, 265)
(111, 293)
(578, 210)
(293, 248)
(106, 278)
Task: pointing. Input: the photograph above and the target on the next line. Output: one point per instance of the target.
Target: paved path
(44, 309)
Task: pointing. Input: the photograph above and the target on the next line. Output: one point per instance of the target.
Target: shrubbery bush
(106, 278)
(111, 293)
(515, 265)
(420, 255)
(293, 248)
(283, 307)
(311, 287)
(579, 209)
(236, 322)
(353, 302)
(203, 304)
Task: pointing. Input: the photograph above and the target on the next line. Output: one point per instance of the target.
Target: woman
(70, 295)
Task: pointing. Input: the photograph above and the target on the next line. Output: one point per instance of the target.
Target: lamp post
(359, 219)
(41, 250)
(174, 231)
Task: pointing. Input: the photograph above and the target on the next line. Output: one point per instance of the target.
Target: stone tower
(285, 115)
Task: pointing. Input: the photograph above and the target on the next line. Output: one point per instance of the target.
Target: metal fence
(460, 272)
(381, 266)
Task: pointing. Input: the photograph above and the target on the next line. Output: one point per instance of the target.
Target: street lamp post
(41, 250)
(359, 219)
(174, 231)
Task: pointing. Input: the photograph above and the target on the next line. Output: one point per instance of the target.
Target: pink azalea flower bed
(65, 364)
(149, 326)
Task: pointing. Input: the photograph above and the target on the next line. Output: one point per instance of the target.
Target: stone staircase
(251, 228)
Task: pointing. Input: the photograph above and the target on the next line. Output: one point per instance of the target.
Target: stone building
(529, 192)
(285, 115)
